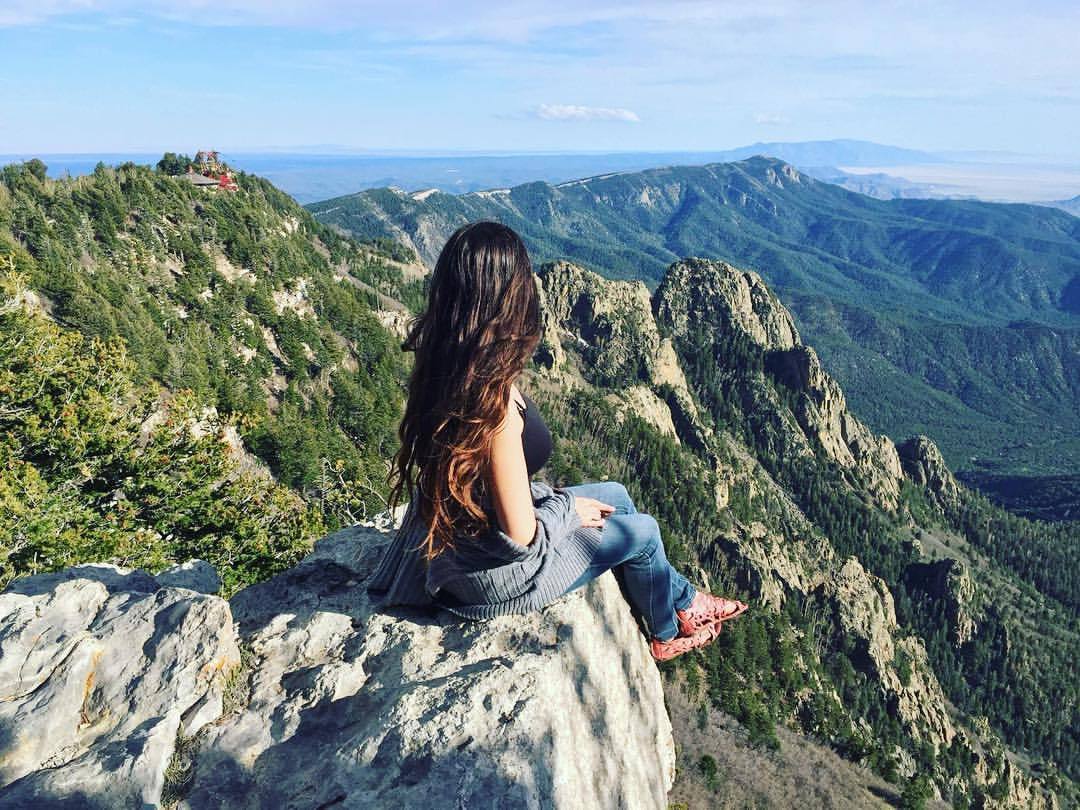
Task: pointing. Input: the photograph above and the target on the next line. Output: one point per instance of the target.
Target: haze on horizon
(115, 76)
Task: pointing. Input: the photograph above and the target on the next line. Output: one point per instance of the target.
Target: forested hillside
(954, 318)
(160, 325)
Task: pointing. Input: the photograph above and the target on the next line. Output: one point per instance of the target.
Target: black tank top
(535, 436)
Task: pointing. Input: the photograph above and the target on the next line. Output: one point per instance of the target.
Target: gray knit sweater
(491, 575)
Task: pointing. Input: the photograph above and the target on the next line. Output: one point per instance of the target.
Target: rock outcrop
(101, 668)
(612, 339)
(950, 580)
(610, 324)
(711, 293)
(706, 292)
(823, 413)
(924, 464)
(858, 606)
(866, 614)
(772, 567)
(611, 320)
(335, 705)
(195, 575)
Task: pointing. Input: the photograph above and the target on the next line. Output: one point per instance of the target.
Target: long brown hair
(481, 326)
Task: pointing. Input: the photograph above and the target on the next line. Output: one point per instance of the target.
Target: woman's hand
(592, 511)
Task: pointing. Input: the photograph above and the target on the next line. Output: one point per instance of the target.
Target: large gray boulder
(104, 671)
(101, 668)
(351, 708)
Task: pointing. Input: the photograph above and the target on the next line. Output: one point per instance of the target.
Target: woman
(479, 538)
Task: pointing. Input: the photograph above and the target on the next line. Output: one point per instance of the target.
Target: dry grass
(180, 771)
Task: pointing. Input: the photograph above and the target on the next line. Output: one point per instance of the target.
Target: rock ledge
(340, 706)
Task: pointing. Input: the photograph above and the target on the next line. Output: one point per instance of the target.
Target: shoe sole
(717, 623)
(730, 616)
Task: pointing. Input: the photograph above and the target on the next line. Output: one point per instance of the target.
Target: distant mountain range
(960, 319)
(1071, 205)
(836, 152)
(311, 174)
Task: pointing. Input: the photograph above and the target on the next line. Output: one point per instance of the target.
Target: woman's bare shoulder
(516, 395)
(514, 417)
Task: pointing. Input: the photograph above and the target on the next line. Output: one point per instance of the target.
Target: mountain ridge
(744, 179)
(876, 285)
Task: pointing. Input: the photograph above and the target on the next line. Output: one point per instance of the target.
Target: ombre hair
(481, 326)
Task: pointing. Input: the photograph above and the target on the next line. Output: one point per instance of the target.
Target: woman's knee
(619, 496)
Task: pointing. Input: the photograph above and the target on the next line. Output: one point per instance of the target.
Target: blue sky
(155, 75)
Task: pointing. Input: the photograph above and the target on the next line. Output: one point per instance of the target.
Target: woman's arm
(511, 492)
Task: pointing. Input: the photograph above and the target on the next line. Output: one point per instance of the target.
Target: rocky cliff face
(613, 341)
(615, 325)
(623, 337)
(950, 580)
(707, 292)
(924, 464)
(701, 291)
(118, 689)
(865, 612)
(613, 335)
(101, 670)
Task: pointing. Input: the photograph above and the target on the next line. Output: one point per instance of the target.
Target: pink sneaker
(666, 650)
(705, 609)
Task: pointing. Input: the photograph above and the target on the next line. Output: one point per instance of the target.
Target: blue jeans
(630, 543)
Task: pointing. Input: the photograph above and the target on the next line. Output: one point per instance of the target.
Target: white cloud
(576, 112)
(772, 119)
